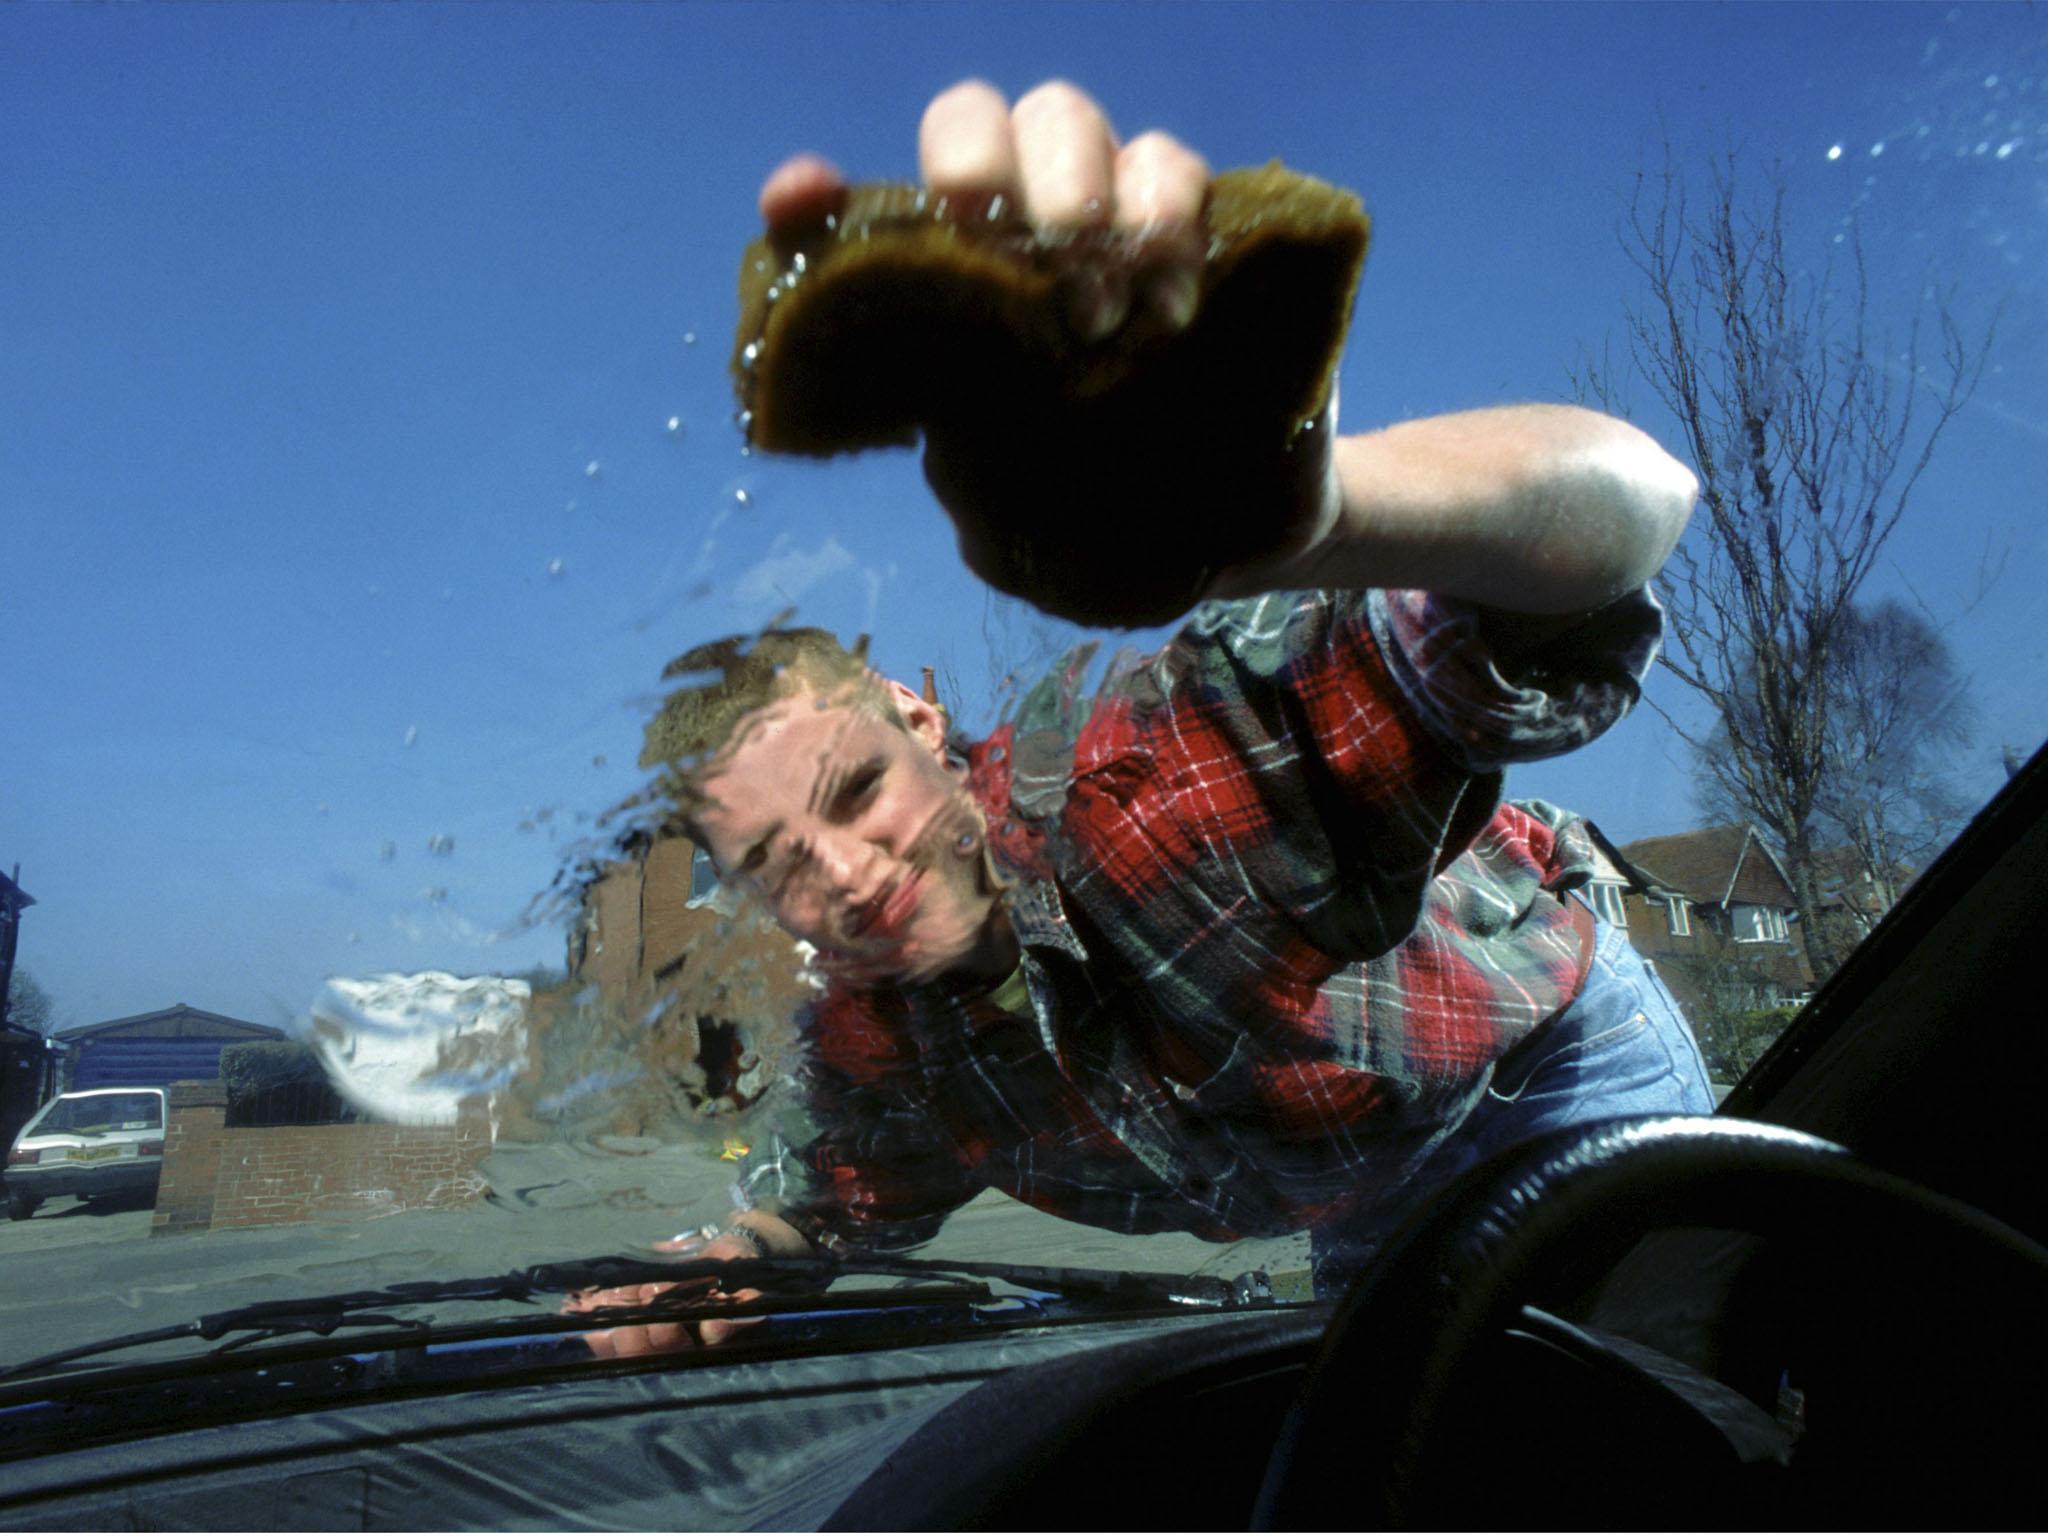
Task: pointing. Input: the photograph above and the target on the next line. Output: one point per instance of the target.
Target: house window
(1681, 917)
(703, 878)
(1606, 900)
(1757, 925)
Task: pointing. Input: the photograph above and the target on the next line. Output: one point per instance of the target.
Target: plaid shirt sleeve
(882, 1175)
(1319, 758)
(1568, 682)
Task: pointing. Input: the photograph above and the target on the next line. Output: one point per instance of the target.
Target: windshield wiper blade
(276, 1320)
(265, 1320)
(1137, 1286)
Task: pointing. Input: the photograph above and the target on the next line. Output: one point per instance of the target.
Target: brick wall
(216, 1176)
(192, 1142)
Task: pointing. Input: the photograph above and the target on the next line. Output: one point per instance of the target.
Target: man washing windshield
(1249, 944)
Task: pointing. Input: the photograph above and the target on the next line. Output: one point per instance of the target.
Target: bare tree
(1899, 719)
(1902, 718)
(28, 1005)
(1809, 442)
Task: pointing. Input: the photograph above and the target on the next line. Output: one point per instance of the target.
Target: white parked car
(98, 1141)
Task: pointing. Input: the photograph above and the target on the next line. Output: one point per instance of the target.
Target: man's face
(857, 836)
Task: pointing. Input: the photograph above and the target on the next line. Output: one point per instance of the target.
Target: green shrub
(278, 1082)
(1733, 1043)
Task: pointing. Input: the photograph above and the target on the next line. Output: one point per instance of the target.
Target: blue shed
(156, 1049)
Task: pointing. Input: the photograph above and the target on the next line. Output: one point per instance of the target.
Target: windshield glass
(103, 1112)
(397, 772)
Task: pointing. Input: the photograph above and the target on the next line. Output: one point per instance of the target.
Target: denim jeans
(1621, 1048)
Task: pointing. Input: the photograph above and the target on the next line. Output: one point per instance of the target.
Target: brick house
(1710, 910)
(716, 987)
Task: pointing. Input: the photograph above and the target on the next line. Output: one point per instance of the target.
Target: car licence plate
(93, 1154)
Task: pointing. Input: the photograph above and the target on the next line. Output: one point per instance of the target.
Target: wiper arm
(264, 1320)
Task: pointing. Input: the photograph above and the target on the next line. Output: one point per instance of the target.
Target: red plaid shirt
(1277, 926)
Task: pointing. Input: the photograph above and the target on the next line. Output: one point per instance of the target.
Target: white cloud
(784, 574)
(874, 579)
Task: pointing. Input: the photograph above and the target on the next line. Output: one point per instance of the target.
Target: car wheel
(1925, 1311)
(21, 1207)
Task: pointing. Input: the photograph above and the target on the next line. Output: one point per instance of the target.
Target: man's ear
(921, 719)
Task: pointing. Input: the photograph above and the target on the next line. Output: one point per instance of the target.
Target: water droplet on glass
(355, 938)
(412, 734)
(591, 470)
(799, 264)
(1990, 81)
(434, 895)
(742, 497)
(1834, 151)
(1877, 148)
(749, 353)
(774, 293)
(386, 851)
(598, 761)
(556, 567)
(675, 426)
(997, 207)
(441, 845)
(689, 338)
(2005, 150)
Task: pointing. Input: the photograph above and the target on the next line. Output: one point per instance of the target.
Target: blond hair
(732, 679)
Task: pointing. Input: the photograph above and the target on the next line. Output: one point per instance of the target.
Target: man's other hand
(1055, 155)
(763, 1235)
(1115, 479)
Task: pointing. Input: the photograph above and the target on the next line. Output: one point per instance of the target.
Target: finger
(716, 1330)
(1159, 184)
(964, 143)
(589, 1301)
(1065, 157)
(801, 192)
(627, 1342)
(1160, 188)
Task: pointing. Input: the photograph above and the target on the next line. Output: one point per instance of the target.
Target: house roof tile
(1713, 865)
(177, 1022)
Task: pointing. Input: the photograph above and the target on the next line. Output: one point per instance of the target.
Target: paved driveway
(61, 1222)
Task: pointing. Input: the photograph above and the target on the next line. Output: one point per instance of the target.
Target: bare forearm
(1535, 509)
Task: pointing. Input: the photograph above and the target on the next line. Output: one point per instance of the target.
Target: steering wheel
(1406, 1346)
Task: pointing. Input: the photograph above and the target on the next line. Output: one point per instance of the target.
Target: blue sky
(340, 509)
